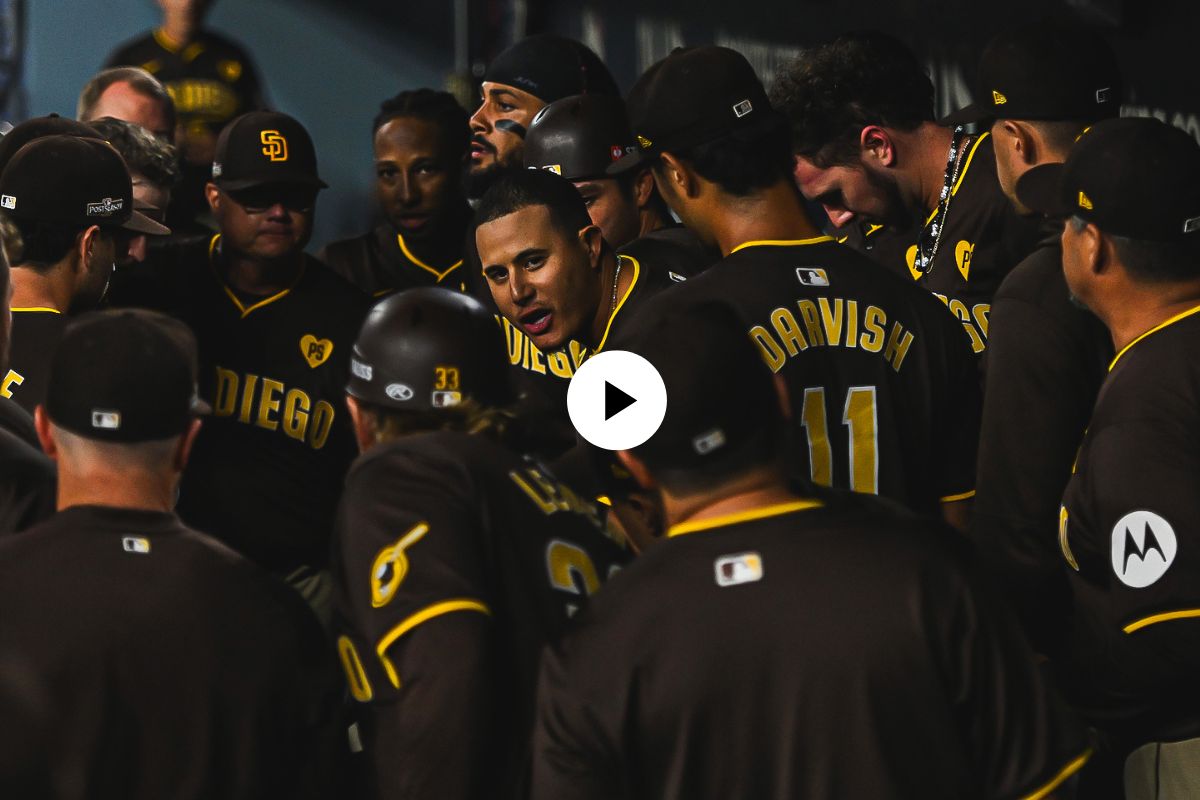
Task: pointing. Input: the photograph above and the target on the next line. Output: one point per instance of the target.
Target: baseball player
(778, 646)
(274, 328)
(562, 292)
(920, 198)
(1046, 355)
(520, 81)
(160, 663)
(1130, 192)
(70, 198)
(579, 138)
(421, 140)
(456, 557)
(881, 381)
(26, 475)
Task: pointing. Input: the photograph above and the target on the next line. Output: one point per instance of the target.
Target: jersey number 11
(860, 417)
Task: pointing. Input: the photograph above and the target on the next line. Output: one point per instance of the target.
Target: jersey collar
(725, 520)
(434, 271)
(245, 310)
(1155, 329)
(780, 243)
(637, 271)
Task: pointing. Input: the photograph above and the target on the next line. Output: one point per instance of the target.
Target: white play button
(616, 400)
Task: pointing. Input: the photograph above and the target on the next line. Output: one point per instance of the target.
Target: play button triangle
(615, 401)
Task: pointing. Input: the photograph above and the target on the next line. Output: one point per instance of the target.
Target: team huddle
(914, 524)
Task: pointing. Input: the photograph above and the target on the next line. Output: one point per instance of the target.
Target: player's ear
(678, 176)
(877, 145)
(85, 245)
(592, 240)
(643, 188)
(41, 423)
(183, 449)
(637, 469)
(213, 194)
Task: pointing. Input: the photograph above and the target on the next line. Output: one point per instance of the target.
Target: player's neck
(33, 289)
(179, 29)
(102, 487)
(930, 146)
(258, 277)
(772, 214)
(759, 488)
(604, 308)
(651, 221)
(1136, 311)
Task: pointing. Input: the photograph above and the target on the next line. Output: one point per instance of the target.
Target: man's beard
(477, 182)
(898, 216)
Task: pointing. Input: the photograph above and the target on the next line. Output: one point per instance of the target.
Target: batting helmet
(429, 348)
(579, 137)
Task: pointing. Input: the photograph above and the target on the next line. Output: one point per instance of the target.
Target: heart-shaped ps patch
(315, 351)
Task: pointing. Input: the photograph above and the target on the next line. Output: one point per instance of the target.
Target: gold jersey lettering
(550, 496)
(13, 378)
(269, 404)
(830, 322)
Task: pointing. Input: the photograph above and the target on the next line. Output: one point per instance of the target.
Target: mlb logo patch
(743, 108)
(136, 544)
(1191, 225)
(737, 569)
(445, 399)
(812, 276)
(106, 420)
(8, 201)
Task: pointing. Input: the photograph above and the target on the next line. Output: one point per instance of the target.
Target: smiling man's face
(545, 280)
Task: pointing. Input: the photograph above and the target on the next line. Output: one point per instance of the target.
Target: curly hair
(440, 108)
(144, 154)
(831, 92)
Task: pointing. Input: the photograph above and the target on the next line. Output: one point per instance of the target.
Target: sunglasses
(261, 198)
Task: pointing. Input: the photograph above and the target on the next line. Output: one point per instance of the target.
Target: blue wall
(328, 71)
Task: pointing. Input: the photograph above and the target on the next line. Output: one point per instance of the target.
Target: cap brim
(976, 112)
(627, 162)
(276, 180)
(1040, 189)
(140, 223)
(200, 408)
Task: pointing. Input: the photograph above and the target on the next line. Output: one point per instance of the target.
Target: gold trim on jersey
(419, 263)
(1155, 329)
(954, 498)
(245, 311)
(742, 516)
(1166, 616)
(45, 309)
(637, 271)
(166, 42)
(1066, 772)
(963, 172)
(435, 610)
(780, 242)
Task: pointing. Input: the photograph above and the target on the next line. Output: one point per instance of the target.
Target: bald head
(130, 94)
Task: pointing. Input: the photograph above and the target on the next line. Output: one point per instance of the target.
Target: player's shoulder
(18, 459)
(1164, 360)
(674, 250)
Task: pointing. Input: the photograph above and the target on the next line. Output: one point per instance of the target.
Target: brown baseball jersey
(163, 664)
(381, 262)
(800, 650)
(1132, 646)
(456, 560)
(1046, 358)
(983, 238)
(882, 382)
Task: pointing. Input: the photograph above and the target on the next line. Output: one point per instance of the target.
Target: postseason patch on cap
(106, 207)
